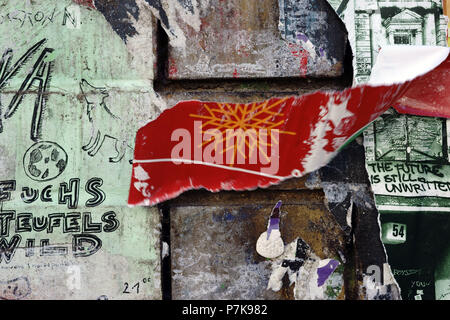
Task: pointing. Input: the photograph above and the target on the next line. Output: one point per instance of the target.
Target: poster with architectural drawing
(407, 157)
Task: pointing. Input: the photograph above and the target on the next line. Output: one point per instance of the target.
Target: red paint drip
(298, 52)
(172, 67)
(303, 62)
(243, 50)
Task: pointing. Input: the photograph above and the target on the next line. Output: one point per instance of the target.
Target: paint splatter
(325, 272)
(172, 67)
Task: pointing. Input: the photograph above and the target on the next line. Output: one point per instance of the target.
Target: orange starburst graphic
(257, 122)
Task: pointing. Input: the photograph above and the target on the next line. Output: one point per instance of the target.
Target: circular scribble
(44, 161)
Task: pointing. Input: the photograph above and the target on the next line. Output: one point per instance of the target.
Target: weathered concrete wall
(213, 241)
(241, 39)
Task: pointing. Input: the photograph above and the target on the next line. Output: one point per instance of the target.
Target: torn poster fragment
(270, 244)
(170, 12)
(325, 269)
(314, 278)
(87, 3)
(312, 25)
(425, 97)
(223, 146)
(428, 96)
(407, 156)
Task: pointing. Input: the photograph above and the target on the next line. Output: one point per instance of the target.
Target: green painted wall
(40, 154)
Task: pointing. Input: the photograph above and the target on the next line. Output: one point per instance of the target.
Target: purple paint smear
(274, 224)
(277, 206)
(322, 52)
(325, 272)
(274, 221)
(302, 37)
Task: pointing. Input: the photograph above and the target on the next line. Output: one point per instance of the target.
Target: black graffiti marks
(49, 250)
(301, 255)
(117, 14)
(93, 188)
(32, 18)
(29, 195)
(407, 177)
(81, 225)
(5, 189)
(44, 161)
(68, 193)
(39, 74)
(161, 8)
(8, 248)
(83, 245)
(18, 18)
(133, 287)
(15, 289)
(6, 72)
(98, 112)
(70, 222)
(71, 19)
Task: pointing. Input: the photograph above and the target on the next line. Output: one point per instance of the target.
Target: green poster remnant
(407, 157)
(408, 162)
(71, 101)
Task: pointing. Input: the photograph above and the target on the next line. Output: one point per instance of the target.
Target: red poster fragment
(221, 146)
(428, 95)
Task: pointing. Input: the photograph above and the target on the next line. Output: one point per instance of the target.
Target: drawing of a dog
(103, 122)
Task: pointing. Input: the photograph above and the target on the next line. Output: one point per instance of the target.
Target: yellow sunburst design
(249, 116)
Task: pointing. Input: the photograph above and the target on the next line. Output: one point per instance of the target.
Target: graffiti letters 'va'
(39, 74)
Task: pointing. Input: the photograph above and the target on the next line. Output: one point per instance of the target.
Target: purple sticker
(325, 271)
(274, 221)
(302, 37)
(274, 224)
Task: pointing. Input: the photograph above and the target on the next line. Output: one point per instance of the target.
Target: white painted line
(187, 161)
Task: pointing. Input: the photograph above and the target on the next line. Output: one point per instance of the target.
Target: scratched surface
(241, 39)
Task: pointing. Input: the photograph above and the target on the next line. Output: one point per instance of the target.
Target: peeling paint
(306, 270)
(309, 142)
(170, 12)
(165, 250)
